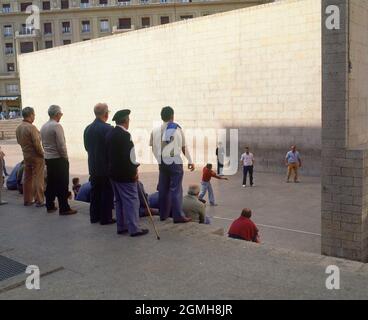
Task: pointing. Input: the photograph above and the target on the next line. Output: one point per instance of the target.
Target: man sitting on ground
(193, 207)
(243, 228)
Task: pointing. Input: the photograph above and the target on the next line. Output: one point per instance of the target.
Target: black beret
(121, 114)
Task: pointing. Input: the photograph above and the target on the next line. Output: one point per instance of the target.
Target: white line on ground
(275, 227)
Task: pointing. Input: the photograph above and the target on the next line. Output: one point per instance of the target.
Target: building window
(65, 42)
(164, 1)
(84, 3)
(125, 23)
(104, 25)
(66, 27)
(123, 2)
(12, 88)
(48, 44)
(103, 3)
(24, 5)
(164, 20)
(146, 22)
(10, 67)
(189, 16)
(46, 5)
(47, 28)
(145, 1)
(26, 30)
(9, 50)
(6, 8)
(64, 4)
(8, 31)
(26, 47)
(86, 27)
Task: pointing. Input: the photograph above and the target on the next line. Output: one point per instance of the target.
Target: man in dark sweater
(102, 196)
(123, 172)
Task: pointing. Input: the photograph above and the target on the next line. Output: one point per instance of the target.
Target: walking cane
(149, 211)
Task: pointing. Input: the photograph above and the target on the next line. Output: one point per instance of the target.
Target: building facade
(62, 22)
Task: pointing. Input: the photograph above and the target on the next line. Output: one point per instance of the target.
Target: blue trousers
(206, 186)
(170, 190)
(127, 206)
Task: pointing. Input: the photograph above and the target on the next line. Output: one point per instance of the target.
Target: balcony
(124, 3)
(85, 5)
(26, 32)
(9, 75)
(86, 29)
(6, 10)
(66, 30)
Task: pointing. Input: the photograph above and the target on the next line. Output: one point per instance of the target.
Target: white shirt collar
(122, 127)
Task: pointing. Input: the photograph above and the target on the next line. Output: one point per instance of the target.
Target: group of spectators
(114, 183)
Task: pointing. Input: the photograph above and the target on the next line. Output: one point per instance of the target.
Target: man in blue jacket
(102, 195)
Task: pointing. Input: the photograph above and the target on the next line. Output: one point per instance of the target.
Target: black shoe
(95, 221)
(122, 232)
(112, 221)
(52, 210)
(140, 233)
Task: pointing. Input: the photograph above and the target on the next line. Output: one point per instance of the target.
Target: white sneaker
(243, 185)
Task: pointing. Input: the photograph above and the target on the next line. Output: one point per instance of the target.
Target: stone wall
(256, 69)
(344, 158)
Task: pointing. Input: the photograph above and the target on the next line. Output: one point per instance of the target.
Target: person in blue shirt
(11, 182)
(293, 162)
(84, 193)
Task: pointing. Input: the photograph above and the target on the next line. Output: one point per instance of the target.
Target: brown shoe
(68, 213)
(183, 220)
(28, 204)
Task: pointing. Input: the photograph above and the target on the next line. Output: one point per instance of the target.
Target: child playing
(208, 173)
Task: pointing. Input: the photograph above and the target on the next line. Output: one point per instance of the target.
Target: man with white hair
(57, 163)
(102, 195)
(193, 207)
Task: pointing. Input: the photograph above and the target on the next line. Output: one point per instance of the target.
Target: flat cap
(121, 114)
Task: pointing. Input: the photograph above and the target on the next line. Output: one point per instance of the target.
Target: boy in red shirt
(243, 228)
(207, 174)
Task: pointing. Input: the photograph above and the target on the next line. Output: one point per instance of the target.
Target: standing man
(247, 160)
(57, 163)
(220, 155)
(102, 195)
(123, 172)
(2, 155)
(28, 137)
(293, 163)
(168, 142)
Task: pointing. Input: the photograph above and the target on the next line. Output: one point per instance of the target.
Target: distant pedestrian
(244, 228)
(293, 162)
(207, 174)
(123, 172)
(247, 160)
(28, 137)
(57, 163)
(102, 195)
(2, 155)
(220, 155)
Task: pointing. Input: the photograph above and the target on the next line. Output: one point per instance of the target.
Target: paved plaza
(78, 260)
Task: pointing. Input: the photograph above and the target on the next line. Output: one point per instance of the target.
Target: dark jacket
(95, 145)
(120, 165)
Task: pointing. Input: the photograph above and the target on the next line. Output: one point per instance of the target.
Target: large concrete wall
(257, 69)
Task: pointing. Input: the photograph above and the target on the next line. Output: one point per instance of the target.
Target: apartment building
(63, 22)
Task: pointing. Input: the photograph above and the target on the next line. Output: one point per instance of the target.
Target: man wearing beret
(168, 143)
(123, 172)
(102, 195)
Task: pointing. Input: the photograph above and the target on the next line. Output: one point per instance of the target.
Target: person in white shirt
(247, 159)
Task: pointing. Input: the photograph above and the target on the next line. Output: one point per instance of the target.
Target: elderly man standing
(29, 139)
(57, 163)
(123, 173)
(102, 195)
(168, 142)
